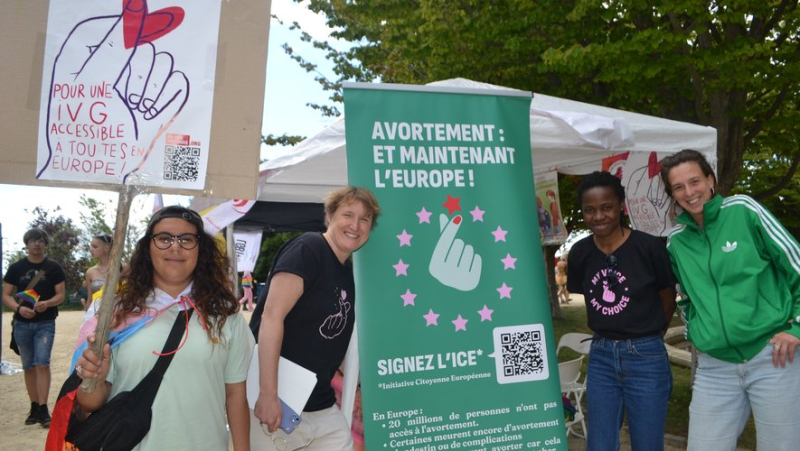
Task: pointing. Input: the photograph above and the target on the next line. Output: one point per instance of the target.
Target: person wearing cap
(176, 268)
(34, 322)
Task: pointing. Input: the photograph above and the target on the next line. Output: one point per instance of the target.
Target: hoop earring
(712, 191)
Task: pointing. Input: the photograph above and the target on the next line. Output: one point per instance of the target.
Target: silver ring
(79, 370)
(776, 347)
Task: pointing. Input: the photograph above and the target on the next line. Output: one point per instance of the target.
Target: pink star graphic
(486, 313)
(405, 238)
(460, 323)
(477, 214)
(505, 291)
(509, 262)
(424, 216)
(400, 268)
(431, 319)
(499, 234)
(408, 298)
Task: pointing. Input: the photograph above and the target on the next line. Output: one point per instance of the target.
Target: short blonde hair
(348, 195)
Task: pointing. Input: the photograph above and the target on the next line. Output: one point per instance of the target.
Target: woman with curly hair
(175, 268)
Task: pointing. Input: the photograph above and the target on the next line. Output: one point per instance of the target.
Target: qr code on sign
(181, 163)
(520, 353)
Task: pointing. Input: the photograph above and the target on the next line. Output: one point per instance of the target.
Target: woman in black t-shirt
(308, 318)
(629, 290)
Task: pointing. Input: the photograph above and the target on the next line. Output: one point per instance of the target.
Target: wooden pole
(109, 292)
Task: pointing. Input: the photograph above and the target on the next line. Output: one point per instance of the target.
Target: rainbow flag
(30, 296)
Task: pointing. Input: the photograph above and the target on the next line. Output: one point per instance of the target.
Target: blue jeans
(35, 341)
(724, 393)
(631, 377)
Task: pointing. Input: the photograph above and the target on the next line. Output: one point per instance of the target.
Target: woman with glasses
(628, 287)
(739, 273)
(176, 268)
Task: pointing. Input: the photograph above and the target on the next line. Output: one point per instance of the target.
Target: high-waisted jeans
(631, 377)
(724, 394)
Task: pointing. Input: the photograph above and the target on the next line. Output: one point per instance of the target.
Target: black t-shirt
(20, 275)
(317, 330)
(622, 300)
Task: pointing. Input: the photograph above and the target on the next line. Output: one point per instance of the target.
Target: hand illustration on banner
(648, 205)
(453, 263)
(112, 94)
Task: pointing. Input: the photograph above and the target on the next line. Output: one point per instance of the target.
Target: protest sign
(455, 333)
(231, 140)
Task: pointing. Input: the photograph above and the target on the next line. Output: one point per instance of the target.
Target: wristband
(19, 306)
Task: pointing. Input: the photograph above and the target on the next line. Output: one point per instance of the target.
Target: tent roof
(568, 136)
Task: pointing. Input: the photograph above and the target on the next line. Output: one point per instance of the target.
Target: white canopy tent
(567, 136)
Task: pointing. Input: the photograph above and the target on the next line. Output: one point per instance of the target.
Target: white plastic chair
(569, 373)
(580, 343)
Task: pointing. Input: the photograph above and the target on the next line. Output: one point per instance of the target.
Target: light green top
(189, 409)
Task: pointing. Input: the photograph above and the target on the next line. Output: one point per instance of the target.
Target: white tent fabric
(567, 136)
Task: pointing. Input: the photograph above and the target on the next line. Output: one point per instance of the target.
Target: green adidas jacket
(739, 278)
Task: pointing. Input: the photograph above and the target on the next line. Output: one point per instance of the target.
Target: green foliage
(94, 222)
(269, 247)
(734, 66)
(283, 140)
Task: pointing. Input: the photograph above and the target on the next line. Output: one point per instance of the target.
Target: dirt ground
(14, 403)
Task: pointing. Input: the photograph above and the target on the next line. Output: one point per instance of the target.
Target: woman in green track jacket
(739, 276)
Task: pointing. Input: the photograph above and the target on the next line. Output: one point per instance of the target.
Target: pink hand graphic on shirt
(335, 324)
(608, 295)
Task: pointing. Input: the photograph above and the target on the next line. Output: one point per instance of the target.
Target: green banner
(456, 343)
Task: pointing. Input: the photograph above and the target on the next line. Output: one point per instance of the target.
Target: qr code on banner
(520, 353)
(181, 163)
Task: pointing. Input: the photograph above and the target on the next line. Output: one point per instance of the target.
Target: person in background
(247, 289)
(739, 276)
(177, 267)
(629, 290)
(561, 280)
(308, 318)
(34, 321)
(99, 249)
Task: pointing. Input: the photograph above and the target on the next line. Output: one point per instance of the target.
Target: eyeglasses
(187, 241)
(37, 241)
(611, 269)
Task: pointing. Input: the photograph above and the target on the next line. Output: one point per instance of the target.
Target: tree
(94, 221)
(64, 246)
(731, 65)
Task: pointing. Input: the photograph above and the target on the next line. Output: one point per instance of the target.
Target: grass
(574, 320)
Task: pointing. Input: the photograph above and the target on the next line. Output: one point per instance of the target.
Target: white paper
(295, 383)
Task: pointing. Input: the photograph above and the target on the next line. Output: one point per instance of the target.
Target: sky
(288, 89)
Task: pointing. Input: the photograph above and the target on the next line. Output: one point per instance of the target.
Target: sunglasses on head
(611, 269)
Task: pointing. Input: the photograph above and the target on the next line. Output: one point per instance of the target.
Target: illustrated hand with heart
(113, 94)
(453, 262)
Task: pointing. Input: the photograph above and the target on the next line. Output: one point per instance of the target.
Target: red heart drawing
(140, 26)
